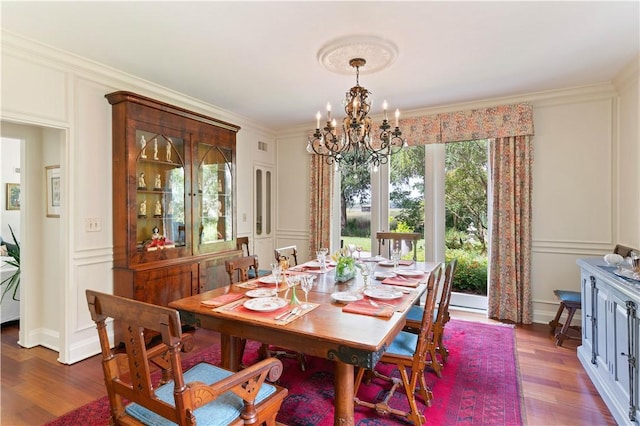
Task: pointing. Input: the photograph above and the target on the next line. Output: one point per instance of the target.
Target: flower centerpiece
(345, 265)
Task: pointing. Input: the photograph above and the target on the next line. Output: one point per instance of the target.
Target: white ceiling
(259, 59)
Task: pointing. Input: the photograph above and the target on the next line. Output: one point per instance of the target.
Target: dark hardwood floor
(35, 388)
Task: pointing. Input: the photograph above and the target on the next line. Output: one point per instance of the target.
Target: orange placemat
(364, 307)
(239, 311)
(222, 300)
(311, 269)
(401, 281)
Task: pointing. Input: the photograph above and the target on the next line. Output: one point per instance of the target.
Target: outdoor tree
(407, 179)
(355, 186)
(466, 188)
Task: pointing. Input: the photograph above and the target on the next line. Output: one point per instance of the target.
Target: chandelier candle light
(355, 146)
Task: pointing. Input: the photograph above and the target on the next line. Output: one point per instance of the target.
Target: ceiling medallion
(378, 52)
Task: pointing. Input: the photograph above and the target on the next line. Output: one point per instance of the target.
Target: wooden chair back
(239, 268)
(242, 243)
(128, 375)
(447, 287)
(426, 324)
(387, 241)
(290, 252)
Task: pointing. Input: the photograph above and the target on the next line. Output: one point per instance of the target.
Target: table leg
(231, 349)
(344, 394)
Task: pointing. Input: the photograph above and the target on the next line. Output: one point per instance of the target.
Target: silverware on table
(282, 315)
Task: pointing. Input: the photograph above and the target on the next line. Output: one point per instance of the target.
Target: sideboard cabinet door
(609, 351)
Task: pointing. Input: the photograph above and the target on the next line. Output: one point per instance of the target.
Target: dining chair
(407, 351)
(387, 241)
(239, 270)
(204, 394)
(242, 268)
(242, 243)
(289, 252)
(440, 318)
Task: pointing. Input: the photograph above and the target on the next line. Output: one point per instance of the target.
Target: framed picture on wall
(53, 190)
(13, 196)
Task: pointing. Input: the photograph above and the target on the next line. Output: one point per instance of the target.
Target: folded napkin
(406, 282)
(222, 300)
(312, 269)
(405, 262)
(364, 307)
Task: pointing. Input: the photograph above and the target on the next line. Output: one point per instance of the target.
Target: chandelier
(354, 146)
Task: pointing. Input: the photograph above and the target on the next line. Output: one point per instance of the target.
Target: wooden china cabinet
(173, 199)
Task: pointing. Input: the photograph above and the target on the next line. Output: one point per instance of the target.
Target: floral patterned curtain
(321, 193)
(483, 123)
(509, 295)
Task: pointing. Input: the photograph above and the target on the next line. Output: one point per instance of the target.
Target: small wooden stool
(570, 300)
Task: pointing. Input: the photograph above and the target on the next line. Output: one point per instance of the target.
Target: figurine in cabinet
(158, 212)
(168, 156)
(141, 182)
(143, 146)
(142, 210)
(158, 183)
(155, 149)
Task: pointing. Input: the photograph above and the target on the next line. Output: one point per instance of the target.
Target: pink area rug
(480, 385)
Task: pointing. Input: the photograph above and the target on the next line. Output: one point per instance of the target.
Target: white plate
(383, 293)
(383, 275)
(265, 304)
(627, 273)
(316, 264)
(372, 259)
(409, 272)
(261, 292)
(345, 296)
(267, 279)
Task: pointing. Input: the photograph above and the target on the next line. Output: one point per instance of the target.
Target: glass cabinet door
(213, 221)
(160, 192)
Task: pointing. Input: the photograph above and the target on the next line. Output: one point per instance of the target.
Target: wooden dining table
(348, 339)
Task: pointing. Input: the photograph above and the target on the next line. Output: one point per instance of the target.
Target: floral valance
(484, 123)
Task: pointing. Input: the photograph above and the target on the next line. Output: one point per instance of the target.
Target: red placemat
(222, 300)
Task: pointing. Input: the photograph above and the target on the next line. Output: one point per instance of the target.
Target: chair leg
(556, 321)
(266, 352)
(414, 414)
(562, 336)
(433, 362)
(442, 349)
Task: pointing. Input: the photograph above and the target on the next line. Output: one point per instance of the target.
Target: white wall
(292, 189)
(627, 172)
(9, 162)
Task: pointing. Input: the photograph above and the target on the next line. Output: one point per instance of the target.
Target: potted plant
(11, 284)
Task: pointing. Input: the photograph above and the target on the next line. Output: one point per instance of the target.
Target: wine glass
(276, 270)
(395, 257)
(366, 269)
(306, 282)
(322, 258)
(359, 250)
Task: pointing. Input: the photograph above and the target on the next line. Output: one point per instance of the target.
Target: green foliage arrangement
(12, 284)
(471, 271)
